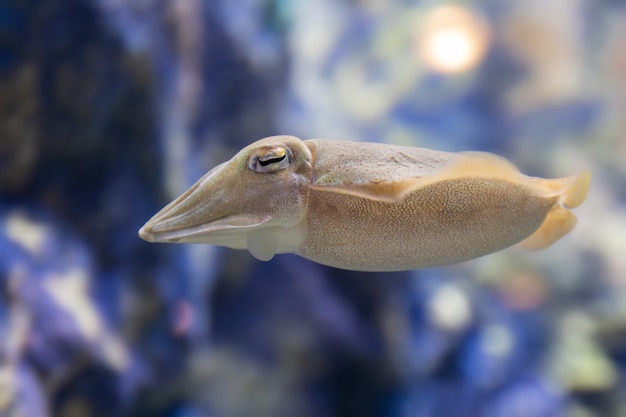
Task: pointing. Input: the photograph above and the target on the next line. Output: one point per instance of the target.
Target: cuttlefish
(369, 206)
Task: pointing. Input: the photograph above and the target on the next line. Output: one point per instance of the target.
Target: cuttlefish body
(368, 206)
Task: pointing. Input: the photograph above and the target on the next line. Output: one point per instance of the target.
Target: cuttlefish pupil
(269, 159)
(272, 155)
(369, 206)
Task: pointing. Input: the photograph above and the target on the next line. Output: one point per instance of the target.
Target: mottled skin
(456, 224)
(366, 206)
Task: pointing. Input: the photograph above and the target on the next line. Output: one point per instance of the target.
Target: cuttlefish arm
(367, 206)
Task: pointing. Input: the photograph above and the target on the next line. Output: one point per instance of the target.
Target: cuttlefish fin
(572, 191)
(464, 165)
(559, 222)
(262, 243)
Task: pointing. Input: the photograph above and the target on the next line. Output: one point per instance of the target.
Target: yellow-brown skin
(456, 224)
(369, 207)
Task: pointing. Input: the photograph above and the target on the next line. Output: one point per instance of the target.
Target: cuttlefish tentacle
(369, 206)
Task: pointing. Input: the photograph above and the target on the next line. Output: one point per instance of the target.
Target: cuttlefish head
(246, 202)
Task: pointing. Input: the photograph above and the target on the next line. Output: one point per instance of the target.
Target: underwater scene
(111, 109)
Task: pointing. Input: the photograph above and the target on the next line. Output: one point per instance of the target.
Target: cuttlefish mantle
(369, 206)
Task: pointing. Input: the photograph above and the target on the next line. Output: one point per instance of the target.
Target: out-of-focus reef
(110, 108)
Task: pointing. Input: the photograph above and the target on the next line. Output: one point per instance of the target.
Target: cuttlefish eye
(269, 159)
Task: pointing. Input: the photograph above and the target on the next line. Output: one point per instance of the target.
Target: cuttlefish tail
(571, 191)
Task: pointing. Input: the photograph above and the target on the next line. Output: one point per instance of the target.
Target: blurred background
(111, 108)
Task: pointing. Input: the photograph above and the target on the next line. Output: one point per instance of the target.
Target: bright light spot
(449, 309)
(450, 48)
(25, 232)
(70, 291)
(452, 39)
